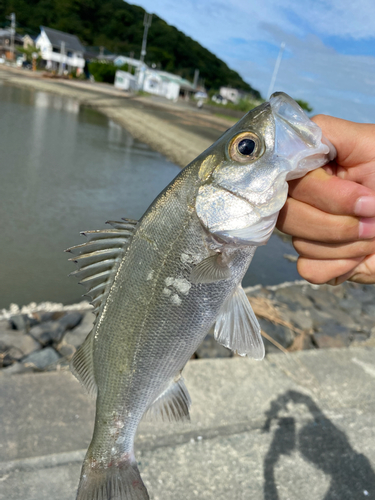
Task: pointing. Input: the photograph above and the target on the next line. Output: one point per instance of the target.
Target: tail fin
(111, 483)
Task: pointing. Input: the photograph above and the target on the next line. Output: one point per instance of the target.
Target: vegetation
(118, 26)
(304, 105)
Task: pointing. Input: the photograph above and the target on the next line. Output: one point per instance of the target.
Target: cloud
(316, 65)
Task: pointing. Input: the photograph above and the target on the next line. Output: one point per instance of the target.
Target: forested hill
(118, 26)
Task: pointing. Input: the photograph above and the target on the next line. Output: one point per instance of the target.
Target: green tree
(118, 26)
(304, 105)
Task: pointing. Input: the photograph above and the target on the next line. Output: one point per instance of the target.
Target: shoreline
(166, 127)
(293, 316)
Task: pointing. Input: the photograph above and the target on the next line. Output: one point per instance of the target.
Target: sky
(329, 56)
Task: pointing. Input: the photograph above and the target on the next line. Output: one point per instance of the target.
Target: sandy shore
(177, 130)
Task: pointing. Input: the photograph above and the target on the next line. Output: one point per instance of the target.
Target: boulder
(41, 359)
(77, 336)
(48, 332)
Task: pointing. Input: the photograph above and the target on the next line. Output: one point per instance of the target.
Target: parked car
(27, 65)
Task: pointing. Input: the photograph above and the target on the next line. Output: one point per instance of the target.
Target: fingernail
(367, 228)
(365, 206)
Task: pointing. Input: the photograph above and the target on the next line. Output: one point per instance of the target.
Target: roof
(56, 37)
(6, 33)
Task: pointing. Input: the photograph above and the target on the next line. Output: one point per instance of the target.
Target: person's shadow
(323, 445)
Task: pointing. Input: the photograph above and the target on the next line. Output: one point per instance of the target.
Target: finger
(320, 250)
(304, 221)
(324, 271)
(353, 141)
(365, 271)
(333, 195)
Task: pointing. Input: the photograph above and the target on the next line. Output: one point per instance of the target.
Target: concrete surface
(292, 427)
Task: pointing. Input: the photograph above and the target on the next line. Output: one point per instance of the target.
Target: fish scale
(176, 272)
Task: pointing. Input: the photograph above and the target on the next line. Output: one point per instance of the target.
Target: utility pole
(146, 23)
(276, 69)
(196, 77)
(12, 33)
(62, 54)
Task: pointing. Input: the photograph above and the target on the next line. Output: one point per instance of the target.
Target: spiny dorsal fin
(237, 326)
(98, 259)
(82, 365)
(172, 405)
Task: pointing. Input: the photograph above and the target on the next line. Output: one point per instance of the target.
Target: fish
(159, 284)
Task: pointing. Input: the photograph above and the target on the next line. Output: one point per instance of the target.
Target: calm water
(64, 169)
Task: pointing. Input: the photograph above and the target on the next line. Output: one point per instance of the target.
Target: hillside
(118, 26)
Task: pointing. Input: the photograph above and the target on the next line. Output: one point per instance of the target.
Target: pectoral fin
(210, 270)
(237, 326)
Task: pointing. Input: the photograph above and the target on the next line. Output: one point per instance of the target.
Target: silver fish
(159, 284)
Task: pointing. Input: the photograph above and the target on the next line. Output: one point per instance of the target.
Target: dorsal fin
(98, 259)
(172, 404)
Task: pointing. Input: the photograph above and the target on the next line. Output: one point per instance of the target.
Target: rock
(71, 319)
(41, 359)
(22, 342)
(280, 333)
(332, 335)
(49, 316)
(294, 297)
(18, 321)
(209, 348)
(48, 332)
(369, 309)
(66, 350)
(322, 299)
(77, 336)
(16, 368)
(364, 294)
(351, 306)
(301, 319)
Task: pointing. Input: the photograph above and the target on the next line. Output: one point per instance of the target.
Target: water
(63, 169)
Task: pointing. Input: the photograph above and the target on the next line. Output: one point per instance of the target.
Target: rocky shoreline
(293, 316)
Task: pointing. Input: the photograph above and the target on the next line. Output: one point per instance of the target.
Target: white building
(230, 94)
(125, 80)
(132, 63)
(60, 50)
(165, 84)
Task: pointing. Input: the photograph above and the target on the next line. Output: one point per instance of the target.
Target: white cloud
(247, 36)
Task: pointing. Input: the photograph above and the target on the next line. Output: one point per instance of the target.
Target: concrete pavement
(297, 426)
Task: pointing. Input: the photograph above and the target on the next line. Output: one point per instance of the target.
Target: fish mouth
(297, 137)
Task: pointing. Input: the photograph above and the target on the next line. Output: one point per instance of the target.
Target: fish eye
(245, 147)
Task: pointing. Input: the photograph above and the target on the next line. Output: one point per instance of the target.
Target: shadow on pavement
(322, 444)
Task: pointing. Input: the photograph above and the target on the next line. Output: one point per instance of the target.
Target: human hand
(331, 211)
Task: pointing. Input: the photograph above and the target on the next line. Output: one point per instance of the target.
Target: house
(133, 64)
(232, 95)
(6, 42)
(28, 41)
(60, 50)
(165, 84)
(125, 80)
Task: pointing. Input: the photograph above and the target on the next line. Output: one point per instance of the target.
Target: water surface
(66, 168)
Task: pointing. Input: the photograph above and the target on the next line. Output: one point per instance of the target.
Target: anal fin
(172, 404)
(237, 326)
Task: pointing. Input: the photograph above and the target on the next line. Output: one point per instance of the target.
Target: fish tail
(114, 482)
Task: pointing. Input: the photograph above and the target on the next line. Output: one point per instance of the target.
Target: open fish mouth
(296, 135)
